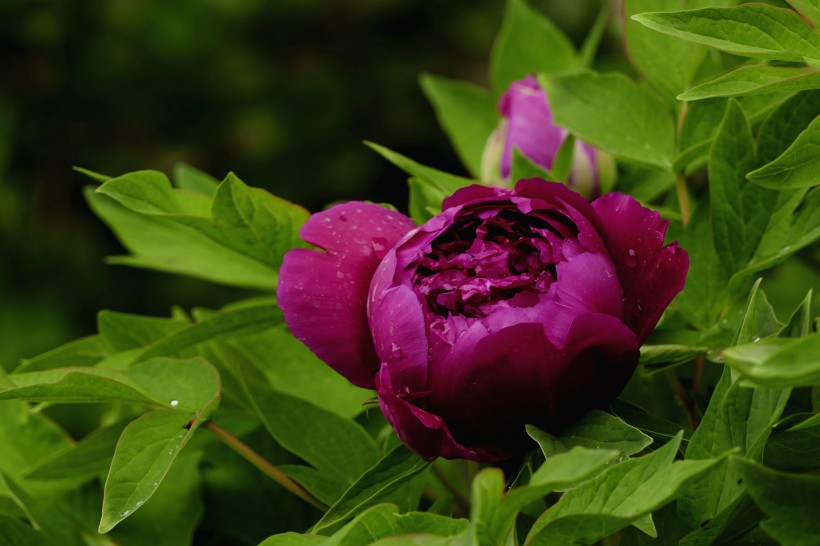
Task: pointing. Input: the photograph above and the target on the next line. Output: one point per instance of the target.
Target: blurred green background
(281, 92)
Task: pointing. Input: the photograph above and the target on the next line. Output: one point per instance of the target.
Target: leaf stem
(460, 502)
(683, 396)
(263, 465)
(683, 199)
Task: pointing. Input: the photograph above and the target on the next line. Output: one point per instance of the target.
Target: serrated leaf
(790, 501)
(810, 9)
(528, 43)
(756, 80)
(331, 443)
(754, 30)
(640, 129)
(466, 112)
(190, 178)
(394, 470)
(778, 363)
(595, 430)
(797, 167)
(668, 63)
(620, 495)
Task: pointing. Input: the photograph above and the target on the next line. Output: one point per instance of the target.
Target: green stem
(684, 397)
(683, 199)
(461, 504)
(263, 465)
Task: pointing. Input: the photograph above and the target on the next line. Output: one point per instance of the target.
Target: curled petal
(426, 433)
(651, 274)
(323, 295)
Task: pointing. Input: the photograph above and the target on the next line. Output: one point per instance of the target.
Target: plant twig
(697, 374)
(683, 396)
(263, 465)
(683, 199)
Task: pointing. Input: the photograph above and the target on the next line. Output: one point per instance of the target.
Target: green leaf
(798, 166)
(659, 357)
(668, 63)
(799, 324)
(16, 533)
(394, 470)
(383, 521)
(778, 363)
(144, 455)
(754, 30)
(485, 500)
(171, 516)
(737, 418)
(790, 501)
(640, 129)
(101, 178)
(27, 438)
(238, 238)
(293, 539)
(756, 80)
(593, 38)
(190, 178)
(523, 167)
(89, 457)
(328, 488)
(739, 210)
(528, 43)
(59, 527)
(796, 446)
(622, 494)
(425, 199)
(334, 445)
(446, 182)
(466, 112)
(759, 319)
(595, 430)
(657, 428)
(85, 351)
(123, 331)
(810, 9)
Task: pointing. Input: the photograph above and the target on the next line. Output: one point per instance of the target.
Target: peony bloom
(512, 306)
(527, 125)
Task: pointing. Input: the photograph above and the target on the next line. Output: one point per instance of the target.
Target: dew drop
(340, 274)
(173, 403)
(396, 350)
(755, 339)
(631, 260)
(125, 513)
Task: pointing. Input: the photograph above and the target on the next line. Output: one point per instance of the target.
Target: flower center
(480, 262)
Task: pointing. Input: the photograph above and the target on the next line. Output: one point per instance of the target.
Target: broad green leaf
(425, 199)
(190, 178)
(171, 516)
(622, 494)
(739, 210)
(237, 238)
(27, 438)
(798, 166)
(737, 418)
(809, 8)
(668, 63)
(523, 167)
(333, 444)
(394, 470)
(485, 501)
(756, 80)
(528, 43)
(796, 446)
(326, 487)
(595, 430)
(466, 112)
(228, 323)
(446, 182)
(659, 357)
(145, 452)
(14, 532)
(644, 182)
(640, 129)
(383, 521)
(754, 30)
(123, 331)
(57, 526)
(85, 351)
(657, 428)
(799, 324)
(89, 457)
(790, 501)
(293, 539)
(778, 363)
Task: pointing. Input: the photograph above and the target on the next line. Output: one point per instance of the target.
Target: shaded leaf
(755, 80)
(798, 166)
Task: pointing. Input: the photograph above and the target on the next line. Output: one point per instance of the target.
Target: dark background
(281, 92)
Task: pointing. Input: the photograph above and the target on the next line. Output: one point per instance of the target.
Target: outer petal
(651, 274)
(424, 432)
(516, 376)
(323, 295)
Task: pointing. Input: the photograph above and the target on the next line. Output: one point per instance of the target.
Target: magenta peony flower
(512, 306)
(527, 125)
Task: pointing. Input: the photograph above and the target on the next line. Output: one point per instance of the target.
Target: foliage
(217, 426)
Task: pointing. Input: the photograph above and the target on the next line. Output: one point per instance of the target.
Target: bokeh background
(282, 92)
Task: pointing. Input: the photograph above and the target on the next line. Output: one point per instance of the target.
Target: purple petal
(426, 433)
(651, 274)
(323, 295)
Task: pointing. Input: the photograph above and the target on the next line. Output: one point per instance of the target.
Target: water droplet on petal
(396, 350)
(173, 403)
(631, 259)
(340, 275)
